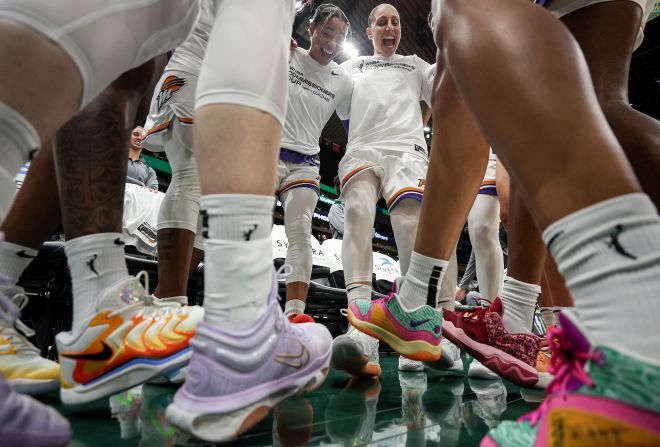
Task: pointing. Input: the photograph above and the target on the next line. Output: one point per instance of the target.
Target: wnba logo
(171, 85)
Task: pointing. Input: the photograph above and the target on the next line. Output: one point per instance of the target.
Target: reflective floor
(402, 409)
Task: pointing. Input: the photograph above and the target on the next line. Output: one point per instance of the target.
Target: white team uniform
(488, 184)
(386, 131)
(561, 8)
(315, 91)
(169, 126)
(105, 38)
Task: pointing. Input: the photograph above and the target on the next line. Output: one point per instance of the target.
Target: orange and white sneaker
(128, 341)
(21, 363)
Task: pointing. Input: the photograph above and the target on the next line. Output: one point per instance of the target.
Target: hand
(294, 44)
(460, 295)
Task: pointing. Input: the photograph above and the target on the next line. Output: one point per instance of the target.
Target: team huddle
(579, 202)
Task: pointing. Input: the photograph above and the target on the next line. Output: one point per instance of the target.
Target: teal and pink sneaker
(414, 334)
(600, 396)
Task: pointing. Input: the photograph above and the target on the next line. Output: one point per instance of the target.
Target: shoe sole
(348, 357)
(34, 387)
(414, 350)
(126, 376)
(482, 373)
(450, 366)
(498, 361)
(219, 427)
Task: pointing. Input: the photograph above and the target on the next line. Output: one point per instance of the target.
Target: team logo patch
(171, 85)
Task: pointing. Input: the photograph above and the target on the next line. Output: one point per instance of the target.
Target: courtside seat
(386, 270)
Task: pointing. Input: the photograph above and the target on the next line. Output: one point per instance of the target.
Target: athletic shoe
(356, 354)
(127, 342)
(20, 361)
(300, 318)
(405, 364)
(477, 370)
(26, 422)
(599, 396)
(491, 399)
(482, 334)
(350, 416)
(293, 422)
(414, 334)
(450, 361)
(227, 391)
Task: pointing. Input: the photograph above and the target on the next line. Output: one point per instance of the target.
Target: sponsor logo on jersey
(171, 85)
(419, 148)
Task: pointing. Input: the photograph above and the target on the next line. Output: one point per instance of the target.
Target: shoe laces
(147, 303)
(16, 331)
(567, 367)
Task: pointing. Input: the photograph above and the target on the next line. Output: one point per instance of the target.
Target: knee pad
(17, 139)
(180, 207)
(261, 81)
(299, 206)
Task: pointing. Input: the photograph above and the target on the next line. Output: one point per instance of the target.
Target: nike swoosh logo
(119, 242)
(23, 254)
(335, 74)
(104, 354)
(294, 360)
(414, 323)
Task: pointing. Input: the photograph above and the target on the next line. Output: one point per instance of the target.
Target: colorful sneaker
(450, 361)
(27, 422)
(127, 342)
(482, 334)
(356, 354)
(414, 334)
(23, 420)
(20, 361)
(407, 365)
(300, 318)
(600, 396)
(228, 391)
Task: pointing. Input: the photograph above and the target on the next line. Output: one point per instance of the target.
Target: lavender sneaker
(23, 420)
(234, 379)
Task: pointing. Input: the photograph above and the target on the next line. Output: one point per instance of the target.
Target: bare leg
(550, 190)
(606, 33)
(449, 193)
(175, 248)
(27, 223)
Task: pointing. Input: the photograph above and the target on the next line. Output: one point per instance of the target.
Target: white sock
(358, 292)
(238, 264)
(548, 315)
(609, 254)
(17, 139)
(294, 307)
(422, 282)
(96, 262)
(519, 300)
(14, 259)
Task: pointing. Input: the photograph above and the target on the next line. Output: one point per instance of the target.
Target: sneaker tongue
(575, 334)
(496, 306)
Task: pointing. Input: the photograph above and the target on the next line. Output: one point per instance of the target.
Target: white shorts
(292, 175)
(247, 58)
(105, 38)
(173, 98)
(402, 174)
